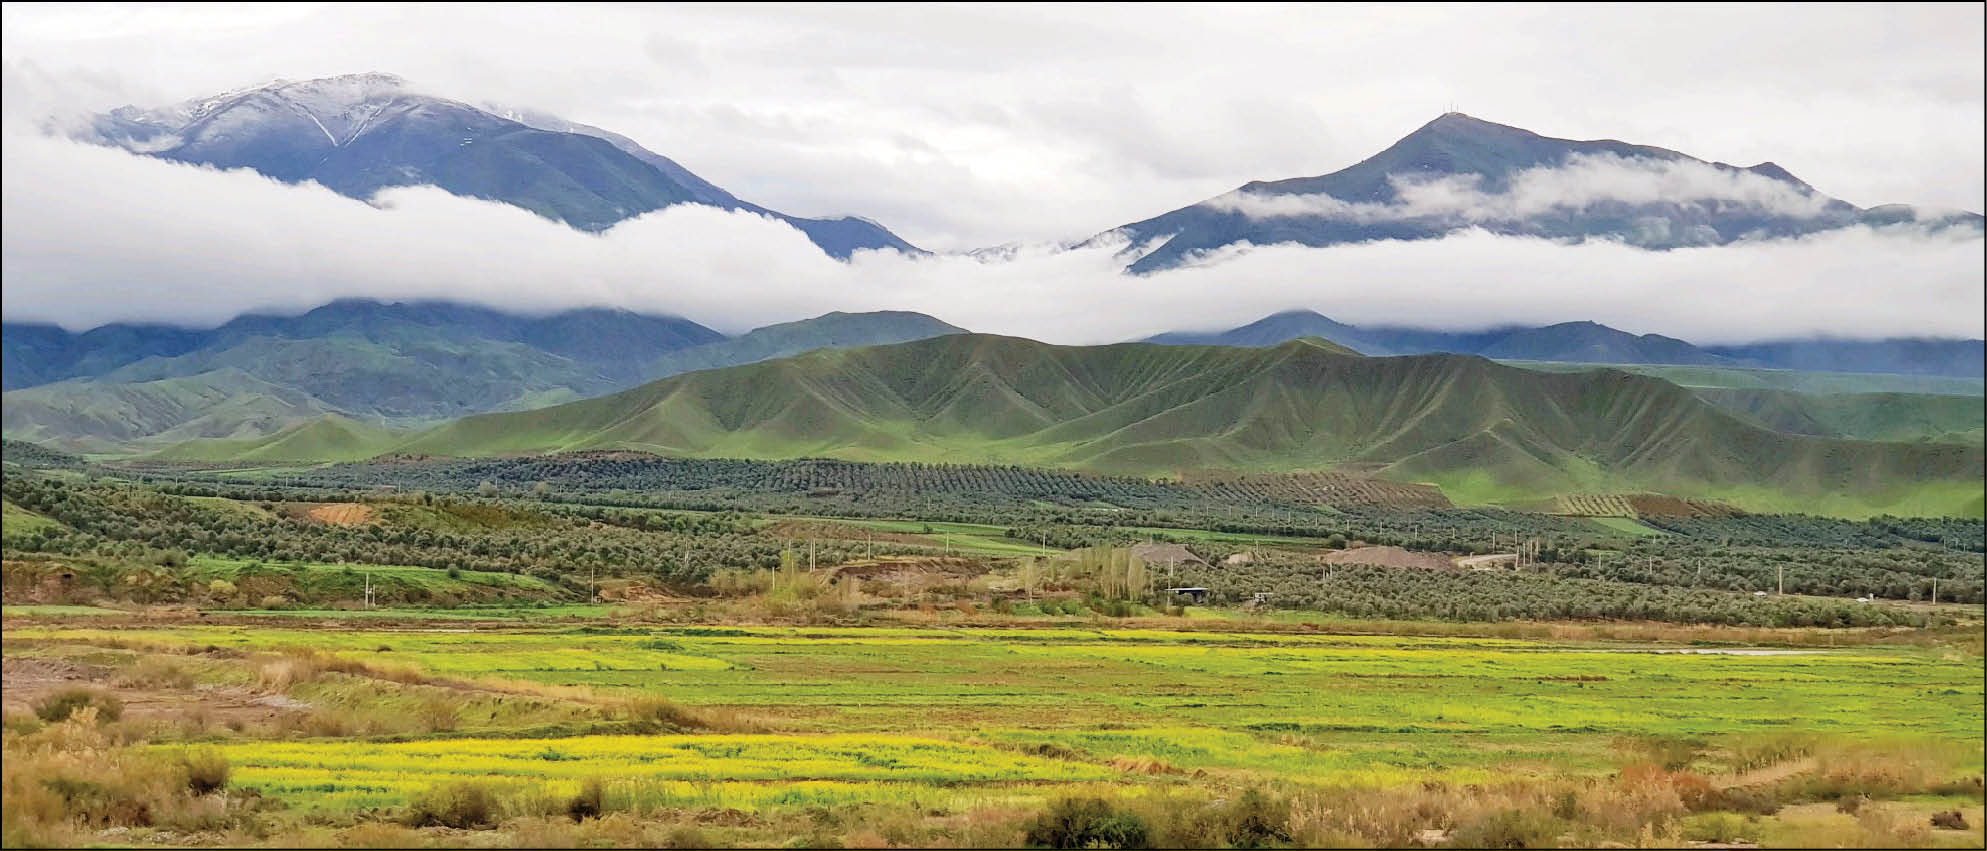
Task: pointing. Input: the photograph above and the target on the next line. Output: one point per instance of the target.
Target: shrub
(461, 805)
(1255, 820)
(585, 804)
(1512, 828)
(1086, 823)
(206, 770)
(661, 713)
(62, 704)
(154, 672)
(437, 714)
(1719, 827)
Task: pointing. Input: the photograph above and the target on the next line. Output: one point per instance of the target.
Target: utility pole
(369, 589)
(1780, 570)
(591, 597)
(1935, 590)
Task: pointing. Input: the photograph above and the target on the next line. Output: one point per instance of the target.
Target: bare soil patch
(1391, 557)
(343, 514)
(25, 681)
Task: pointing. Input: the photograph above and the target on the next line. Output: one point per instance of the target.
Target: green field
(1372, 709)
(998, 722)
(16, 521)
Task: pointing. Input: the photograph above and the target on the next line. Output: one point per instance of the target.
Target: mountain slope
(401, 364)
(87, 416)
(1594, 343)
(1583, 342)
(1482, 430)
(832, 330)
(1904, 356)
(1461, 172)
(360, 133)
(1863, 416)
(257, 374)
(327, 438)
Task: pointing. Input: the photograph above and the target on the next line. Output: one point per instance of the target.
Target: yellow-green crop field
(983, 715)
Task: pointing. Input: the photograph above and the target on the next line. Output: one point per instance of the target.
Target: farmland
(950, 735)
(407, 652)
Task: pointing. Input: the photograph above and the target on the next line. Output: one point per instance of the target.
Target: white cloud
(91, 235)
(1582, 182)
(967, 125)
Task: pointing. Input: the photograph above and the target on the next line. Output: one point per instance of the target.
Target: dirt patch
(802, 530)
(923, 565)
(24, 682)
(343, 514)
(1391, 557)
(1344, 486)
(1659, 505)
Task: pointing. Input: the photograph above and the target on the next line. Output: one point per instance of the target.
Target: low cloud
(95, 235)
(1582, 182)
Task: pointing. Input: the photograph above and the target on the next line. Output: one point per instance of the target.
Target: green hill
(1865, 416)
(87, 416)
(1485, 432)
(327, 438)
(1799, 381)
(830, 330)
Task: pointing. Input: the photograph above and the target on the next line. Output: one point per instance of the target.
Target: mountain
(360, 133)
(1482, 431)
(828, 331)
(1903, 356)
(34, 353)
(1584, 342)
(119, 388)
(1460, 172)
(86, 416)
(1591, 342)
(326, 438)
(1863, 416)
(396, 363)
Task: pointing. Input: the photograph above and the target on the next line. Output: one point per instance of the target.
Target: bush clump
(1513, 828)
(462, 805)
(207, 770)
(1087, 823)
(62, 704)
(586, 804)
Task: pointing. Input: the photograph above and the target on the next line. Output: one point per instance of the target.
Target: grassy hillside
(1743, 378)
(1485, 432)
(833, 330)
(1865, 416)
(326, 438)
(88, 416)
(17, 522)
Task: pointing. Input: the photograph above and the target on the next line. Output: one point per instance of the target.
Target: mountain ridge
(1474, 426)
(1592, 342)
(399, 364)
(358, 133)
(1381, 198)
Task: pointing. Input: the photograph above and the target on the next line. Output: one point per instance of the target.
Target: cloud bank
(1582, 182)
(95, 235)
(966, 125)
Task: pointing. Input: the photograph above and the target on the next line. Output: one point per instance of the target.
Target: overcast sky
(961, 127)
